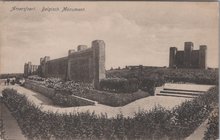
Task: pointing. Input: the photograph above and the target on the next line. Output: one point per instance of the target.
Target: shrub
(149, 85)
(112, 99)
(119, 85)
(190, 114)
(69, 100)
(2, 130)
(212, 132)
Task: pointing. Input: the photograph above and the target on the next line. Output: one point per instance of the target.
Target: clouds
(134, 32)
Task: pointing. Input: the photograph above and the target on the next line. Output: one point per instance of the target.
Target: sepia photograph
(109, 70)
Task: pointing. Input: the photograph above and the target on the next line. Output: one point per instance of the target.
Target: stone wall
(80, 66)
(49, 92)
(85, 65)
(56, 68)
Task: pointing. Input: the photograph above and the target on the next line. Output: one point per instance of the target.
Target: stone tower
(188, 48)
(202, 56)
(173, 51)
(98, 47)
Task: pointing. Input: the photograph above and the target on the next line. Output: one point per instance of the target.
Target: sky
(135, 33)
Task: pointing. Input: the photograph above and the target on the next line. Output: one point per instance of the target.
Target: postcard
(109, 70)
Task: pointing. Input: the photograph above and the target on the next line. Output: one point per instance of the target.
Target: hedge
(119, 85)
(112, 99)
(69, 100)
(199, 76)
(2, 127)
(149, 84)
(212, 132)
(157, 123)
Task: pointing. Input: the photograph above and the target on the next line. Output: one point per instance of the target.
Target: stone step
(176, 95)
(193, 87)
(184, 90)
(181, 92)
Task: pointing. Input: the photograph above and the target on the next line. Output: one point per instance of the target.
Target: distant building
(188, 58)
(30, 69)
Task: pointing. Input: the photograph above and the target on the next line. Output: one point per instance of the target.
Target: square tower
(202, 56)
(188, 48)
(172, 61)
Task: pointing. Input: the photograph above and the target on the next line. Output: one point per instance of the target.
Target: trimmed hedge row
(2, 128)
(112, 99)
(212, 132)
(69, 100)
(122, 85)
(157, 123)
(119, 85)
(149, 85)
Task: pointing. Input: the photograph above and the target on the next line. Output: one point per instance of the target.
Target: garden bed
(57, 97)
(62, 92)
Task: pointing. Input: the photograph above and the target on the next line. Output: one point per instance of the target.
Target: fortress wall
(80, 66)
(85, 65)
(56, 68)
(88, 64)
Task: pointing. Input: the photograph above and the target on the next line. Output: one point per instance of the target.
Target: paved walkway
(12, 130)
(198, 134)
(143, 104)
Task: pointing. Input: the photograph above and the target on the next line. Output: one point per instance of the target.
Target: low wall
(49, 92)
(57, 97)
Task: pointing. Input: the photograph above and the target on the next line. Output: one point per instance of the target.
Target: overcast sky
(134, 32)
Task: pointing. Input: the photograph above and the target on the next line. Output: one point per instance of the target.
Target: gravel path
(143, 104)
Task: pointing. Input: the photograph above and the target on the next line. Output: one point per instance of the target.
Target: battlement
(188, 45)
(81, 47)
